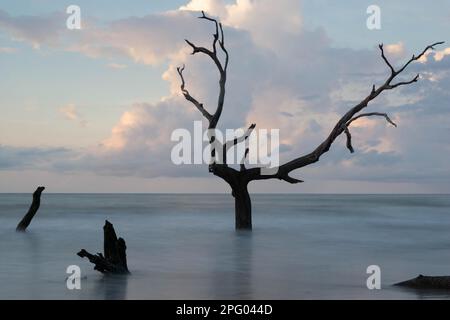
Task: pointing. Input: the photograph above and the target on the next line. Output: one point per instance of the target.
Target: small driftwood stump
(114, 260)
(427, 282)
(26, 220)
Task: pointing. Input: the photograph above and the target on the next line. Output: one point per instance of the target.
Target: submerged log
(26, 220)
(427, 282)
(114, 259)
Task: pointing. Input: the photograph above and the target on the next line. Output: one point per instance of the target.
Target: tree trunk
(114, 259)
(243, 207)
(238, 183)
(26, 220)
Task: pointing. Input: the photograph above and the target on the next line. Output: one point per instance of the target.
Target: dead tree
(239, 179)
(26, 220)
(114, 260)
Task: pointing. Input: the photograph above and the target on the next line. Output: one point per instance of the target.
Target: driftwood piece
(26, 220)
(427, 282)
(114, 259)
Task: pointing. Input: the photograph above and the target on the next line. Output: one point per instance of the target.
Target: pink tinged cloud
(263, 41)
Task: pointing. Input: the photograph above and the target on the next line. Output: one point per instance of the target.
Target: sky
(92, 110)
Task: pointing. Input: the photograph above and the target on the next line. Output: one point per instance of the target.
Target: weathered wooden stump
(26, 220)
(114, 260)
(427, 282)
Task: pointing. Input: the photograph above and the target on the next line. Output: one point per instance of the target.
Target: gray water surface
(185, 246)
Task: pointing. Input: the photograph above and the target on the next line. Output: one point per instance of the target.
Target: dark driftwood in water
(427, 282)
(26, 220)
(114, 259)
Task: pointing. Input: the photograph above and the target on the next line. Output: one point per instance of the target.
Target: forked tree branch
(213, 119)
(216, 34)
(349, 140)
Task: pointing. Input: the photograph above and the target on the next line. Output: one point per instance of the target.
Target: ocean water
(185, 246)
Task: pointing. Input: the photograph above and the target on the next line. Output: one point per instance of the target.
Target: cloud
(8, 50)
(280, 96)
(281, 75)
(36, 158)
(438, 55)
(396, 50)
(148, 40)
(260, 18)
(117, 66)
(71, 113)
(37, 30)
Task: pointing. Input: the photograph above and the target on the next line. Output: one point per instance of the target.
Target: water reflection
(111, 287)
(232, 275)
(426, 294)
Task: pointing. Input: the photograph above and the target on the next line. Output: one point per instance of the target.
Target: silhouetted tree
(239, 179)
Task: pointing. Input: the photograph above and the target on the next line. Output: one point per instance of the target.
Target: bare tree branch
(414, 58)
(222, 45)
(216, 34)
(243, 159)
(208, 52)
(349, 140)
(403, 83)
(385, 59)
(370, 115)
(241, 138)
(347, 131)
(229, 144)
(222, 68)
(342, 125)
(190, 98)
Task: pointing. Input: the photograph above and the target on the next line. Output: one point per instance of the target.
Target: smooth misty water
(184, 246)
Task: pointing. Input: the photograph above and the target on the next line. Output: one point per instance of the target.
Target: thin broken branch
(349, 140)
